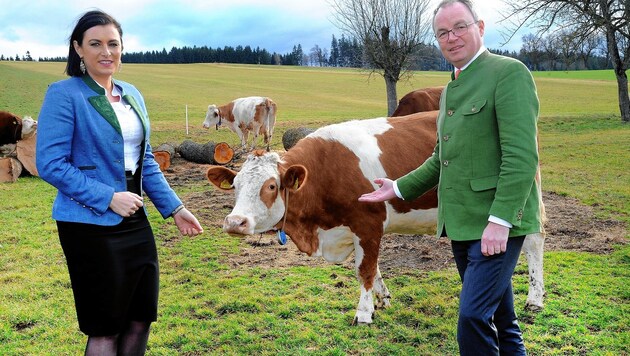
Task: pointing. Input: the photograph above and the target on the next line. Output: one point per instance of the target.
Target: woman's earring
(82, 66)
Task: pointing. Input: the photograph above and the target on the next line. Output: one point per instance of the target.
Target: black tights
(133, 341)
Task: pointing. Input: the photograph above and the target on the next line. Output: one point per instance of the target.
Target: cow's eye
(272, 187)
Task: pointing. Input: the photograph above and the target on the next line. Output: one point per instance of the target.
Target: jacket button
(449, 113)
(446, 163)
(445, 138)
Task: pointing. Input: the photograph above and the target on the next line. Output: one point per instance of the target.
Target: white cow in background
(254, 113)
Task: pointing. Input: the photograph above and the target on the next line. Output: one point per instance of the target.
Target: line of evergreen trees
(344, 52)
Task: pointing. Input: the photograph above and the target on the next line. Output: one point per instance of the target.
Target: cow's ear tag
(225, 185)
(297, 184)
(282, 237)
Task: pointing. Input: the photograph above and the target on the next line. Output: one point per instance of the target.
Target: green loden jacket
(486, 157)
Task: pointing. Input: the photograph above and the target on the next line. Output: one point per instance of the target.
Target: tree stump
(209, 153)
(292, 136)
(26, 154)
(10, 169)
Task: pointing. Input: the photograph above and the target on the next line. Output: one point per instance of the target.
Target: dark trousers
(487, 322)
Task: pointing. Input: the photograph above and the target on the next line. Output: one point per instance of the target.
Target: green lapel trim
(93, 85)
(134, 104)
(101, 103)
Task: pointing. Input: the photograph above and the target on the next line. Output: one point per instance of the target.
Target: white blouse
(132, 131)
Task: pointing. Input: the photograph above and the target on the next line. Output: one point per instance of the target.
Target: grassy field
(206, 307)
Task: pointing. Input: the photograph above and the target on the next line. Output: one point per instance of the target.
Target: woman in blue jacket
(93, 146)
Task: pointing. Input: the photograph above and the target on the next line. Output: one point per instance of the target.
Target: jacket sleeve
(422, 179)
(154, 183)
(157, 188)
(516, 109)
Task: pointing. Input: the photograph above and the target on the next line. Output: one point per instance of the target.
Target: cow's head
(29, 127)
(260, 189)
(212, 117)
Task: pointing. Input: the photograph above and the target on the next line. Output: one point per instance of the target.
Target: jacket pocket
(473, 107)
(484, 183)
(89, 171)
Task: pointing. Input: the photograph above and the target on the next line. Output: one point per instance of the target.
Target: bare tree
(586, 48)
(567, 44)
(610, 18)
(390, 32)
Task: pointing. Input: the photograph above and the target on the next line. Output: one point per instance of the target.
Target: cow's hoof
(364, 318)
(383, 303)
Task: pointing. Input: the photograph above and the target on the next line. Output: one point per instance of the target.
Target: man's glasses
(458, 31)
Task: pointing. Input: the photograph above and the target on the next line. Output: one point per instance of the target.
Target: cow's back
(425, 99)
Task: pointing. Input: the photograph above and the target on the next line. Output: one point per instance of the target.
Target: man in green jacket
(484, 165)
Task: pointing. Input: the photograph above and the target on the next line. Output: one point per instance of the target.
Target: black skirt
(113, 271)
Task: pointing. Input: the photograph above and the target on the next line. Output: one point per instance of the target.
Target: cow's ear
(294, 178)
(221, 177)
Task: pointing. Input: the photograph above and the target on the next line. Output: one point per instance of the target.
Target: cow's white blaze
(247, 184)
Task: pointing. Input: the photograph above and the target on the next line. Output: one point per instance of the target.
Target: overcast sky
(42, 27)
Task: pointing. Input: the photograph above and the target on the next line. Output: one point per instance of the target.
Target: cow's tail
(541, 204)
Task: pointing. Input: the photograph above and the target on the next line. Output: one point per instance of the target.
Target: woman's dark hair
(87, 21)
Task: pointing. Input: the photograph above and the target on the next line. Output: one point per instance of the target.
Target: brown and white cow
(425, 99)
(13, 128)
(311, 193)
(254, 113)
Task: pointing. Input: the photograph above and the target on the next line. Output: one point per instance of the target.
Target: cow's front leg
(383, 298)
(533, 248)
(365, 309)
(244, 138)
(366, 259)
(255, 138)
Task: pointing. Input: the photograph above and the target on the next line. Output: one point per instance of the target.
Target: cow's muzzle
(238, 225)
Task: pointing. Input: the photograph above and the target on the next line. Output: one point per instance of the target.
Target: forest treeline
(540, 54)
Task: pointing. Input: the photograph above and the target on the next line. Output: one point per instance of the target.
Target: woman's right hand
(125, 203)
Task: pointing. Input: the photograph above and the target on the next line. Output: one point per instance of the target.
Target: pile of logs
(18, 159)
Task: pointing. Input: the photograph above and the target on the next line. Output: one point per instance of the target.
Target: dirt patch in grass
(570, 226)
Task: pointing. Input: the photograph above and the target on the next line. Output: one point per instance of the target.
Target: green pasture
(209, 307)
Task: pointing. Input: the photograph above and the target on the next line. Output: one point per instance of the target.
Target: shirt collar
(479, 52)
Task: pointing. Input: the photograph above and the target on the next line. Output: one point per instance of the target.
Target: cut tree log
(26, 154)
(10, 169)
(196, 152)
(163, 158)
(168, 147)
(223, 153)
(208, 153)
(292, 136)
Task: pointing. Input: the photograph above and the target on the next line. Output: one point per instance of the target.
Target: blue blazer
(80, 152)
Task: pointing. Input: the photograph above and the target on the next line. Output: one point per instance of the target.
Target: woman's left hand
(187, 223)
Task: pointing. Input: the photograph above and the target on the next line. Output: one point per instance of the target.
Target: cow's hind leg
(533, 249)
(380, 291)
